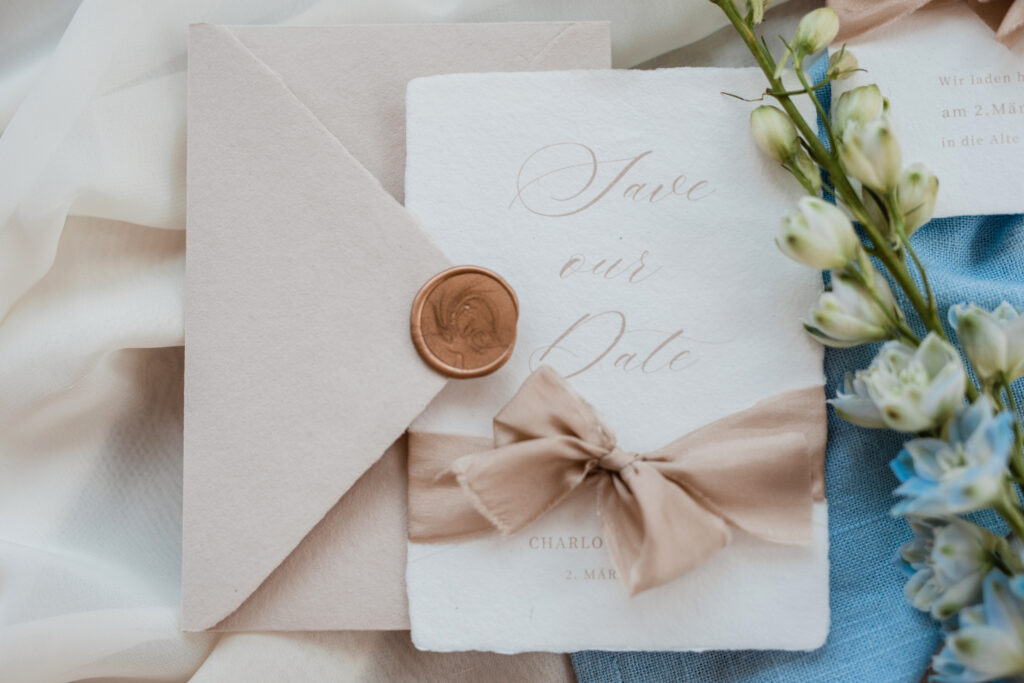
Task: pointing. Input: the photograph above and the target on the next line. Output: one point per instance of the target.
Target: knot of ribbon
(616, 460)
(1006, 17)
(663, 512)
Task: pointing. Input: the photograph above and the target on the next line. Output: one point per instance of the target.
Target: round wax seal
(464, 321)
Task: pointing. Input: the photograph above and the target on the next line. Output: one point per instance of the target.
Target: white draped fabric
(92, 218)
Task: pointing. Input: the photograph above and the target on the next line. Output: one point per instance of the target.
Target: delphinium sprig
(967, 450)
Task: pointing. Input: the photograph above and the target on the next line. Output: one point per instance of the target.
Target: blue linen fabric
(875, 636)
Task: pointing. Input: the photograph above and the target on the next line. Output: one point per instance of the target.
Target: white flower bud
(993, 342)
(848, 315)
(774, 133)
(869, 152)
(815, 32)
(841, 65)
(808, 169)
(757, 8)
(875, 211)
(818, 235)
(983, 340)
(916, 193)
(859, 105)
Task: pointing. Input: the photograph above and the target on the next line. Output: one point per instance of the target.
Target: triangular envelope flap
(299, 368)
(343, 574)
(350, 76)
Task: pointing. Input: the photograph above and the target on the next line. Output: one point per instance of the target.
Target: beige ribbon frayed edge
(665, 512)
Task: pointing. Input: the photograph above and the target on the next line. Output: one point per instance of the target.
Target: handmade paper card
(302, 263)
(957, 104)
(634, 218)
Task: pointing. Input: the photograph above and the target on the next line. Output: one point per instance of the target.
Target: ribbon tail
(513, 485)
(654, 530)
(438, 509)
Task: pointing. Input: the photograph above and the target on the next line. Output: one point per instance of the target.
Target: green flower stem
(1018, 433)
(805, 91)
(907, 335)
(900, 227)
(799, 68)
(933, 305)
(803, 179)
(995, 393)
(896, 267)
(901, 329)
(1000, 563)
(1009, 509)
(997, 397)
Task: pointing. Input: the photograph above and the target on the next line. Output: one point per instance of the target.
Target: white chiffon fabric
(92, 218)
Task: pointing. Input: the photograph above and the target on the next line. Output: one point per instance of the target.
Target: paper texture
(634, 217)
(957, 98)
(302, 267)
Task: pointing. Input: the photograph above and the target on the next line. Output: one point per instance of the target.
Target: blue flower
(964, 472)
(988, 642)
(946, 562)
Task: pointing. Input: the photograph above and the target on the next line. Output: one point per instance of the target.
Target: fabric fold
(856, 17)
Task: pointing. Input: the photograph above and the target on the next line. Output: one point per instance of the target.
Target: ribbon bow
(860, 16)
(663, 512)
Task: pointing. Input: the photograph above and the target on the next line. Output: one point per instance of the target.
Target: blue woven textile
(875, 635)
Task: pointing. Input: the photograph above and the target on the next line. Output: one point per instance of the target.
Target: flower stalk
(967, 454)
(1018, 448)
(824, 158)
(1008, 508)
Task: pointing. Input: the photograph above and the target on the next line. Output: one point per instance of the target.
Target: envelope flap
(351, 75)
(299, 368)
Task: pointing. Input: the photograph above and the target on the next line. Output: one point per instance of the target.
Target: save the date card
(656, 361)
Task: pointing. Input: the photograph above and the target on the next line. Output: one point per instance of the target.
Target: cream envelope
(302, 267)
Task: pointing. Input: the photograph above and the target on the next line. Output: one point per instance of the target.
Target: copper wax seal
(464, 321)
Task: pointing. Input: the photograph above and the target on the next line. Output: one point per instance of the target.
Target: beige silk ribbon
(1006, 17)
(665, 512)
